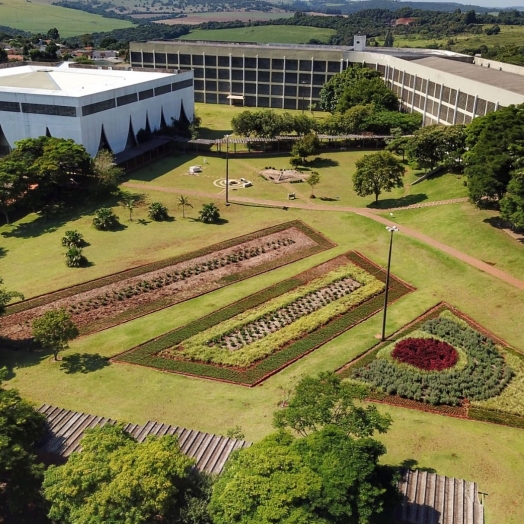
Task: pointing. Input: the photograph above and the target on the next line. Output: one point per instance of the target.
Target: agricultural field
(89, 380)
(281, 34)
(193, 18)
(39, 18)
(509, 35)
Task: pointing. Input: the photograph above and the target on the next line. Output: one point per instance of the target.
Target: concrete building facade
(444, 87)
(94, 107)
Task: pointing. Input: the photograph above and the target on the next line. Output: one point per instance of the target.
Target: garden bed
(485, 381)
(117, 298)
(263, 354)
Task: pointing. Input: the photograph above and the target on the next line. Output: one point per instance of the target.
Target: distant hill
(350, 7)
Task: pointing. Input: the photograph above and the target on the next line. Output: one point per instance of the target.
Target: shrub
(209, 214)
(157, 212)
(74, 257)
(73, 239)
(426, 353)
(105, 219)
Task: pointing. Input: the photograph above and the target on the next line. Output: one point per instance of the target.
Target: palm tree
(183, 201)
(209, 214)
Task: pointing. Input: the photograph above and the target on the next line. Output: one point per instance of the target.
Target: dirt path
(371, 214)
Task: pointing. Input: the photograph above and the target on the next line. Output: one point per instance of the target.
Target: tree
(73, 238)
(326, 477)
(129, 201)
(105, 169)
(183, 201)
(306, 146)
(377, 172)
(3, 56)
(209, 214)
(388, 41)
(157, 212)
(12, 174)
(105, 219)
(512, 204)
(333, 89)
(7, 296)
(54, 329)
(53, 34)
(327, 400)
(313, 179)
(363, 91)
(21, 426)
(116, 479)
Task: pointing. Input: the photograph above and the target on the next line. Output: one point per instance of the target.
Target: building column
(475, 107)
(142, 56)
(311, 83)
(456, 107)
(440, 102)
(496, 105)
(283, 81)
(230, 78)
(244, 77)
(402, 89)
(425, 103)
(204, 71)
(256, 94)
(341, 65)
(414, 90)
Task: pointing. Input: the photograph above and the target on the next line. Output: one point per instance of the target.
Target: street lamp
(391, 229)
(227, 169)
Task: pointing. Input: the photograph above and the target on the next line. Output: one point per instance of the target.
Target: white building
(94, 107)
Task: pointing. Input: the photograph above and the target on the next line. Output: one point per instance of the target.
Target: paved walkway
(371, 214)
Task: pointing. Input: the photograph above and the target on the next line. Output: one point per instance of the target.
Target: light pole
(392, 229)
(227, 169)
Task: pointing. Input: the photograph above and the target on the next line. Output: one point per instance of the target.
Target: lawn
(282, 34)
(473, 231)
(39, 18)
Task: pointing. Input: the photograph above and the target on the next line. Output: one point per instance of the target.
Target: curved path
(371, 214)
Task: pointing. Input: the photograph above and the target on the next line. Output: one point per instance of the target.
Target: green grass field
(282, 34)
(509, 35)
(31, 261)
(39, 18)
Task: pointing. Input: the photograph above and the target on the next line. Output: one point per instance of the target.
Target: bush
(73, 239)
(209, 214)
(105, 219)
(157, 212)
(74, 257)
(426, 353)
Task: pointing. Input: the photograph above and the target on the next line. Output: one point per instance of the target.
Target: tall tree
(327, 400)
(130, 201)
(54, 330)
(21, 426)
(313, 180)
(306, 146)
(184, 202)
(512, 204)
(209, 214)
(106, 170)
(116, 479)
(376, 173)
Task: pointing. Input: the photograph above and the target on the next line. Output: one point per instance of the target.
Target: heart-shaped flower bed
(426, 353)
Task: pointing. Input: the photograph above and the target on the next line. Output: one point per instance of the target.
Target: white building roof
(72, 82)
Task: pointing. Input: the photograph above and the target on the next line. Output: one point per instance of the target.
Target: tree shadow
(83, 363)
(320, 162)
(3, 252)
(329, 199)
(391, 203)
(499, 223)
(143, 221)
(19, 354)
(413, 464)
(219, 222)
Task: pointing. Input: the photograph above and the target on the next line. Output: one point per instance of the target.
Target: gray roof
(486, 75)
(65, 430)
(434, 499)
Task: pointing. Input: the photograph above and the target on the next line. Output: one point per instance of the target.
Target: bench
(291, 196)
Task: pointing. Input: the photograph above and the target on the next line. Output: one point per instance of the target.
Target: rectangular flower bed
(117, 298)
(486, 383)
(202, 348)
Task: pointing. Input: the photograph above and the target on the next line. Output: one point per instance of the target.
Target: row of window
(261, 89)
(97, 107)
(277, 64)
(251, 101)
(262, 76)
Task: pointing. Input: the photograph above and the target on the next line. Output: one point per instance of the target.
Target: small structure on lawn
(280, 176)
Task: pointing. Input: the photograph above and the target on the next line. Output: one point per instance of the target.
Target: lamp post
(392, 229)
(227, 169)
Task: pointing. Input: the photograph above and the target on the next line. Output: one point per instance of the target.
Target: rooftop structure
(96, 107)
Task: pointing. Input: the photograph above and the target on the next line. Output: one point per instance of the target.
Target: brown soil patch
(281, 176)
(164, 288)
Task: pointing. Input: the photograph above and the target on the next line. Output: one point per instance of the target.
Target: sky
(484, 3)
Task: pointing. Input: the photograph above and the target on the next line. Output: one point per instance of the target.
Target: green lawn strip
(145, 354)
(493, 410)
(322, 243)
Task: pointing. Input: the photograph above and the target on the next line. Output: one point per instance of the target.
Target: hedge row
(322, 244)
(146, 353)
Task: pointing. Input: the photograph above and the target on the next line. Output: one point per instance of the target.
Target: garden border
(471, 412)
(145, 354)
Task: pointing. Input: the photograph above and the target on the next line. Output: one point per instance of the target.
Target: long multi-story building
(443, 86)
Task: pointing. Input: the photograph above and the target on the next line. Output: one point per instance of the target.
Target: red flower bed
(426, 353)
